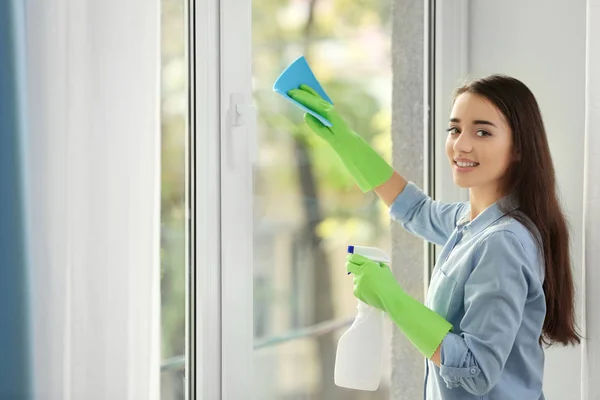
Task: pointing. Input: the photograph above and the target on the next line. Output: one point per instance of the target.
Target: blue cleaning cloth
(292, 77)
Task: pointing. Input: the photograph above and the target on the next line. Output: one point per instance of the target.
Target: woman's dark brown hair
(532, 180)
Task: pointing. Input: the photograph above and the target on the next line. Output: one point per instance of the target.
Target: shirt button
(473, 371)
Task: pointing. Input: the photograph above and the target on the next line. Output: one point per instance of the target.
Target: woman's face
(479, 143)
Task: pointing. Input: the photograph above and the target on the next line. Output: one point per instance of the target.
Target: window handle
(244, 115)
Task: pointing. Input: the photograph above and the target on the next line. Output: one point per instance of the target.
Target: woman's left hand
(374, 283)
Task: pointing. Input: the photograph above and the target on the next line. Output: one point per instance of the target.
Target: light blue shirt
(487, 283)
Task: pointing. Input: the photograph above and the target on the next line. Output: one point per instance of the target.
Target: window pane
(307, 208)
(173, 122)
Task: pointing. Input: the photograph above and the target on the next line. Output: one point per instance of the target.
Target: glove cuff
(422, 326)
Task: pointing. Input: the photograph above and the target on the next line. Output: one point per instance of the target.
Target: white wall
(542, 43)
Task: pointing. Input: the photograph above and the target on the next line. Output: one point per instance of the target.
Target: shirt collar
(488, 216)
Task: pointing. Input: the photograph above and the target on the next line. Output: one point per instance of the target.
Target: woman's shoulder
(517, 229)
(516, 226)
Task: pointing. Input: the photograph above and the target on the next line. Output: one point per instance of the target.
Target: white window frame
(203, 301)
(220, 315)
(450, 67)
(446, 65)
(237, 197)
(590, 368)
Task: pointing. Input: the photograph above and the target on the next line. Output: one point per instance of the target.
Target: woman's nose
(462, 144)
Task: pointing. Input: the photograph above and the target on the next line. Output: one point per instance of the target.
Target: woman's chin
(462, 183)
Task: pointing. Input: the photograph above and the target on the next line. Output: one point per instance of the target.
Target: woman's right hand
(366, 166)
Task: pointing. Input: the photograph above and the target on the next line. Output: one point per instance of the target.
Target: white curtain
(94, 176)
(591, 234)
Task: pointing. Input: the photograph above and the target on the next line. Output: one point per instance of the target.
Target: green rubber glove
(364, 164)
(375, 285)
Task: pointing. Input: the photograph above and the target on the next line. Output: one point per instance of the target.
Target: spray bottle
(359, 357)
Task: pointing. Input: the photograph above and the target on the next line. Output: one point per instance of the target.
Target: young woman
(502, 286)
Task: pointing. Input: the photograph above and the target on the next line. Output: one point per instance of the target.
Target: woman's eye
(482, 133)
(453, 130)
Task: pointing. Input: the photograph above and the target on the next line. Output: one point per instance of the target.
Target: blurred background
(174, 111)
(307, 209)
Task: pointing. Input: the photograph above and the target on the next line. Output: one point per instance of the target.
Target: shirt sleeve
(494, 300)
(429, 219)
